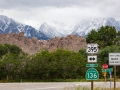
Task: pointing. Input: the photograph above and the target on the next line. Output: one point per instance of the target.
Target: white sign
(92, 48)
(92, 59)
(114, 58)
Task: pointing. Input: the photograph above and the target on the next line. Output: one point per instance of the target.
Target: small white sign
(114, 58)
(92, 48)
(92, 59)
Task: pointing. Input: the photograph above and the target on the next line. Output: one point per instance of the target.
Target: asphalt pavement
(54, 85)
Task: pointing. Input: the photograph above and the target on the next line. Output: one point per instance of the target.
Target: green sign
(108, 70)
(92, 74)
(91, 65)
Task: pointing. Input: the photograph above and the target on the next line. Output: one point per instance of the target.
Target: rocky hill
(33, 45)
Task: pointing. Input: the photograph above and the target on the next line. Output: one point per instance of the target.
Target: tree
(11, 58)
(92, 37)
(117, 39)
(10, 62)
(104, 36)
(107, 34)
(59, 64)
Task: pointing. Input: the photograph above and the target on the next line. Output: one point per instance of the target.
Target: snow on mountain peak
(83, 28)
(50, 31)
(8, 25)
(53, 29)
(5, 19)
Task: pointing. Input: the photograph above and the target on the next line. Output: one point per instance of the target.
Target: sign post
(114, 59)
(92, 73)
(114, 77)
(105, 66)
(110, 78)
(110, 70)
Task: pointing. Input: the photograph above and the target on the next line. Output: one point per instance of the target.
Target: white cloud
(35, 12)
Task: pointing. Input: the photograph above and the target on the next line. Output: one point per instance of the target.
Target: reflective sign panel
(92, 48)
(92, 59)
(114, 58)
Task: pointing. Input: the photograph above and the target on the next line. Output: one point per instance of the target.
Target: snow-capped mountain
(52, 31)
(8, 25)
(83, 28)
(62, 27)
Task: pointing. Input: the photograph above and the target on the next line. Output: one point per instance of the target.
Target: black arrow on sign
(92, 59)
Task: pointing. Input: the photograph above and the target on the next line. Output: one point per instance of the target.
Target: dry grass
(87, 88)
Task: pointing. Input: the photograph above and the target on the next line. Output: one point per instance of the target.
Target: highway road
(52, 85)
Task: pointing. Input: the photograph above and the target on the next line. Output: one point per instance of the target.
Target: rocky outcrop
(33, 45)
(71, 42)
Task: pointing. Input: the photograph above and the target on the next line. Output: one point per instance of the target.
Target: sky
(69, 12)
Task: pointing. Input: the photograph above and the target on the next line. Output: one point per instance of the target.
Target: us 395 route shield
(92, 48)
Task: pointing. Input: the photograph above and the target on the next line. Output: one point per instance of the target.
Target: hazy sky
(35, 12)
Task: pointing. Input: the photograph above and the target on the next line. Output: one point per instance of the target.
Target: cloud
(35, 12)
(37, 16)
(54, 3)
(40, 3)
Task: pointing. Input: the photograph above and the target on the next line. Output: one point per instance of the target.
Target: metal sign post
(105, 66)
(114, 59)
(110, 78)
(110, 70)
(114, 77)
(92, 73)
(92, 85)
(105, 76)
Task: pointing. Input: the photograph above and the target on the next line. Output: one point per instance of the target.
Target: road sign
(108, 70)
(105, 66)
(114, 58)
(92, 59)
(104, 74)
(91, 65)
(92, 48)
(110, 73)
(92, 74)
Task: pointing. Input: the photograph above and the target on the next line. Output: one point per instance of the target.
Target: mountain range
(46, 31)
(8, 25)
(83, 28)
